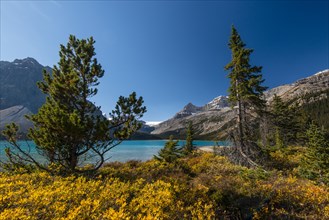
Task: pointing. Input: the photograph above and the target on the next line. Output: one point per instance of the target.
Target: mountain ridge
(18, 84)
(214, 123)
(215, 104)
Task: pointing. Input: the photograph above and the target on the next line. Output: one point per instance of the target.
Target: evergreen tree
(279, 144)
(284, 121)
(170, 152)
(315, 164)
(287, 121)
(316, 106)
(189, 147)
(67, 128)
(245, 90)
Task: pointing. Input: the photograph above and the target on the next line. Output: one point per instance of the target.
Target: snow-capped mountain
(217, 103)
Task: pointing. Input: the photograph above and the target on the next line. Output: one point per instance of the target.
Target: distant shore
(209, 148)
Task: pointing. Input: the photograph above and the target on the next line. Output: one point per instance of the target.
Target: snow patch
(218, 102)
(321, 72)
(152, 123)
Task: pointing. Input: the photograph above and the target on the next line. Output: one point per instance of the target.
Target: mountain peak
(18, 84)
(28, 61)
(188, 110)
(189, 107)
(217, 103)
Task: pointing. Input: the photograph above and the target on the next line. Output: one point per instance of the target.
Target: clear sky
(171, 52)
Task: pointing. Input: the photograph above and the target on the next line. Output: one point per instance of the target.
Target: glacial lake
(127, 150)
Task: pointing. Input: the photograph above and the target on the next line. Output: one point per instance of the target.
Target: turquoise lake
(127, 150)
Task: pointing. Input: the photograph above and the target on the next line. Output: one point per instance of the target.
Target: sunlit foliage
(170, 152)
(202, 186)
(315, 163)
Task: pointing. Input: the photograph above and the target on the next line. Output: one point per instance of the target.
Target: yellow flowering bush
(286, 158)
(40, 196)
(289, 197)
(203, 186)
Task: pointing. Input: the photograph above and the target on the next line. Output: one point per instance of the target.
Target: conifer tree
(285, 119)
(315, 164)
(67, 129)
(170, 152)
(189, 147)
(245, 90)
(279, 144)
(280, 118)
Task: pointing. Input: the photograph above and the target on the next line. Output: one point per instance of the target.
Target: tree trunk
(240, 118)
(73, 159)
(241, 134)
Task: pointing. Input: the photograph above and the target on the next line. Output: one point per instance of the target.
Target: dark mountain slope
(18, 84)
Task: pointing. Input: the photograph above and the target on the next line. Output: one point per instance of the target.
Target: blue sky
(171, 52)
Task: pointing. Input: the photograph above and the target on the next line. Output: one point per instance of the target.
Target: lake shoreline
(210, 148)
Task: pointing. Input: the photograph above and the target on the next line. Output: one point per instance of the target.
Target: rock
(18, 84)
(146, 128)
(217, 103)
(15, 114)
(188, 110)
(312, 84)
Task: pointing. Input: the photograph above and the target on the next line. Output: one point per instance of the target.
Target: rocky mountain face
(217, 103)
(207, 120)
(216, 118)
(146, 128)
(188, 110)
(15, 114)
(18, 84)
(206, 124)
(19, 94)
(295, 91)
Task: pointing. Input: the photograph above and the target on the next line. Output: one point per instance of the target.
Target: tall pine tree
(286, 121)
(67, 128)
(245, 91)
(189, 147)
